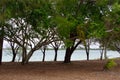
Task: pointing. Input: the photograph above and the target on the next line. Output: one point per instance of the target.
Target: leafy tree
(67, 22)
(111, 24)
(40, 19)
(29, 25)
(114, 19)
(79, 19)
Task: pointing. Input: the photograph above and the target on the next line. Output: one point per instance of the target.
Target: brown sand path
(79, 70)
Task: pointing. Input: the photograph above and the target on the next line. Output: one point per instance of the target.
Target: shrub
(110, 64)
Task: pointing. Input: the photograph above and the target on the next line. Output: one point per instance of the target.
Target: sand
(77, 70)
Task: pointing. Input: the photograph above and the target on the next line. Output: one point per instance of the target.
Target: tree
(67, 24)
(115, 21)
(19, 33)
(111, 24)
(56, 45)
(29, 25)
(73, 17)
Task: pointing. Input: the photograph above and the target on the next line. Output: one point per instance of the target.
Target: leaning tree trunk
(69, 52)
(29, 56)
(68, 55)
(14, 54)
(1, 47)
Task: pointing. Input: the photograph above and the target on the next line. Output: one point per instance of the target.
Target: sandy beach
(76, 70)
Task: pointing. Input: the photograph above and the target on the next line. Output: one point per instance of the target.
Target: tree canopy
(36, 23)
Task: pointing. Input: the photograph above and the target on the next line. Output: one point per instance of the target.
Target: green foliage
(102, 2)
(116, 8)
(68, 42)
(81, 33)
(65, 26)
(110, 64)
(66, 7)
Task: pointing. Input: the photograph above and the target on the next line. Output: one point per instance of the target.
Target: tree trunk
(68, 55)
(43, 57)
(87, 55)
(31, 52)
(14, 53)
(105, 53)
(43, 51)
(1, 43)
(1, 48)
(56, 50)
(14, 56)
(24, 55)
(87, 51)
(29, 56)
(101, 52)
(101, 57)
(87, 47)
(69, 52)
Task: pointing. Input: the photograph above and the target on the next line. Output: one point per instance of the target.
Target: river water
(77, 55)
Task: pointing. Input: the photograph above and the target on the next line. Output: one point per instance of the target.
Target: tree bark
(101, 56)
(56, 50)
(69, 52)
(1, 48)
(29, 56)
(14, 56)
(87, 55)
(24, 54)
(38, 46)
(14, 53)
(105, 53)
(68, 55)
(87, 48)
(43, 51)
(43, 57)
(1, 43)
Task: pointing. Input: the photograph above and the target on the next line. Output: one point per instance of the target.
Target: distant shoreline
(53, 49)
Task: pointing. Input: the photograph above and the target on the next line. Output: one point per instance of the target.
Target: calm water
(77, 55)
